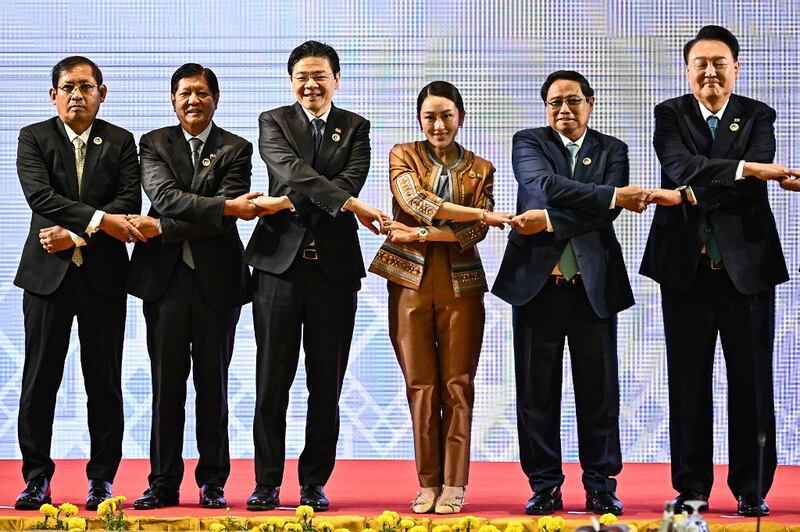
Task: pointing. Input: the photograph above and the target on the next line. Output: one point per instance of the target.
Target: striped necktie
(80, 161)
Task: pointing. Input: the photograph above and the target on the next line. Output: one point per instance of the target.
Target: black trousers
(184, 332)
(300, 302)
(746, 326)
(540, 328)
(101, 328)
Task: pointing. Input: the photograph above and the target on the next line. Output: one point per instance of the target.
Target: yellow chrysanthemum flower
(68, 510)
(304, 512)
(418, 528)
(442, 528)
(368, 529)
(256, 529)
(545, 523)
(75, 523)
(48, 510)
(387, 520)
(488, 528)
(632, 528)
(608, 519)
(469, 523)
(341, 530)
(292, 527)
(105, 508)
(406, 523)
(457, 527)
(558, 523)
(217, 527)
(119, 499)
(325, 526)
(514, 526)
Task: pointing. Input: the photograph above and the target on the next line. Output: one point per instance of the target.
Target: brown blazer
(412, 176)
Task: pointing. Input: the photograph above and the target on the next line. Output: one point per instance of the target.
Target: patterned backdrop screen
(498, 53)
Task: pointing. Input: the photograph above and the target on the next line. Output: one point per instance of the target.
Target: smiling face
(314, 83)
(712, 73)
(78, 107)
(440, 120)
(194, 103)
(569, 120)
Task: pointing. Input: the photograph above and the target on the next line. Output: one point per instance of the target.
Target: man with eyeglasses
(714, 249)
(307, 269)
(80, 176)
(564, 274)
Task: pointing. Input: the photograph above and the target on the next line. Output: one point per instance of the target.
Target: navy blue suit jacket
(739, 211)
(578, 208)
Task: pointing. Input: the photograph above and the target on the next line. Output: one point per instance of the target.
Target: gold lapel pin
(97, 140)
(587, 161)
(734, 127)
(336, 137)
(206, 162)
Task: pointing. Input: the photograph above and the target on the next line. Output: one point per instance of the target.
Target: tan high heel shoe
(451, 500)
(425, 500)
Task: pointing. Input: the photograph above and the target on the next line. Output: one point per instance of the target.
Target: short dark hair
(713, 33)
(443, 89)
(314, 49)
(190, 70)
(570, 75)
(68, 63)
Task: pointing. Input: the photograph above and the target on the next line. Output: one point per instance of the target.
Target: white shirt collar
(323, 116)
(203, 136)
(706, 113)
(83, 136)
(579, 142)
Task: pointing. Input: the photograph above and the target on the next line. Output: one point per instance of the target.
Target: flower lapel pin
(337, 135)
(97, 140)
(587, 161)
(735, 126)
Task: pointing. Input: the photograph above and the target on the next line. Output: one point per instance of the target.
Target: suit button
(707, 230)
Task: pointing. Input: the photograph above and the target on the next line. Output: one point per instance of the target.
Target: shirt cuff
(547, 220)
(79, 241)
(94, 223)
(613, 199)
(343, 204)
(740, 171)
(691, 196)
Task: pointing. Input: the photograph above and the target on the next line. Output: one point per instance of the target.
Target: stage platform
(360, 490)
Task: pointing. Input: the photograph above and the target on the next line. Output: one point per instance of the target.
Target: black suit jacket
(49, 179)
(190, 207)
(578, 207)
(738, 211)
(317, 188)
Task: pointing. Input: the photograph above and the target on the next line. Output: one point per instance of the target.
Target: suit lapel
(329, 146)
(590, 153)
(209, 153)
(698, 128)
(300, 129)
(725, 135)
(93, 153)
(180, 157)
(67, 153)
(558, 153)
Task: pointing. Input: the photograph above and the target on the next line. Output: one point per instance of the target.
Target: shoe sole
(32, 505)
(262, 507)
(612, 511)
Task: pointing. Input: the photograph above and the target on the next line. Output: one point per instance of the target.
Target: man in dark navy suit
(714, 249)
(564, 274)
(80, 176)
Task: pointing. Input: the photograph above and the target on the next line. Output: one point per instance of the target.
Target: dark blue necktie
(712, 244)
(317, 124)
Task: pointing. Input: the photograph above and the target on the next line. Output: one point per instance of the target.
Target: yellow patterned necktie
(80, 159)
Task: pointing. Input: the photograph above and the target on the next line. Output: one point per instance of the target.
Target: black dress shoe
(545, 501)
(212, 496)
(679, 503)
(751, 505)
(314, 495)
(35, 494)
(603, 502)
(154, 498)
(99, 490)
(264, 498)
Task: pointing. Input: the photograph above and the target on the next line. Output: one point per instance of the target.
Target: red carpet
(366, 488)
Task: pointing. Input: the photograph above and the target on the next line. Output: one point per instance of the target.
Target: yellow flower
(48, 510)
(442, 528)
(457, 527)
(608, 519)
(545, 523)
(105, 508)
(255, 529)
(488, 528)
(217, 527)
(406, 523)
(388, 520)
(514, 526)
(68, 509)
(119, 499)
(304, 513)
(418, 528)
(341, 530)
(469, 523)
(75, 523)
(632, 528)
(292, 527)
(558, 523)
(368, 529)
(325, 526)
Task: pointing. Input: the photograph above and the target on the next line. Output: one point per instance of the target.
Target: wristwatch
(683, 189)
(422, 234)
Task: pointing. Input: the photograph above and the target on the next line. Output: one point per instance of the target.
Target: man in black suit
(192, 280)
(714, 249)
(307, 269)
(80, 176)
(564, 274)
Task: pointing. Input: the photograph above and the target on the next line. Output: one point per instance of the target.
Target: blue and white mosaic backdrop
(497, 52)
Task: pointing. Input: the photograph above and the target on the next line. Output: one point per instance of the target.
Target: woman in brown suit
(442, 207)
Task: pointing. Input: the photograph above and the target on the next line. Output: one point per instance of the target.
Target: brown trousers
(437, 338)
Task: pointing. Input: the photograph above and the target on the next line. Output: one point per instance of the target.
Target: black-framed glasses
(317, 77)
(83, 88)
(573, 102)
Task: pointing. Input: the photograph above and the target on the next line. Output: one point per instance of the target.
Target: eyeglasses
(573, 103)
(318, 77)
(83, 88)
